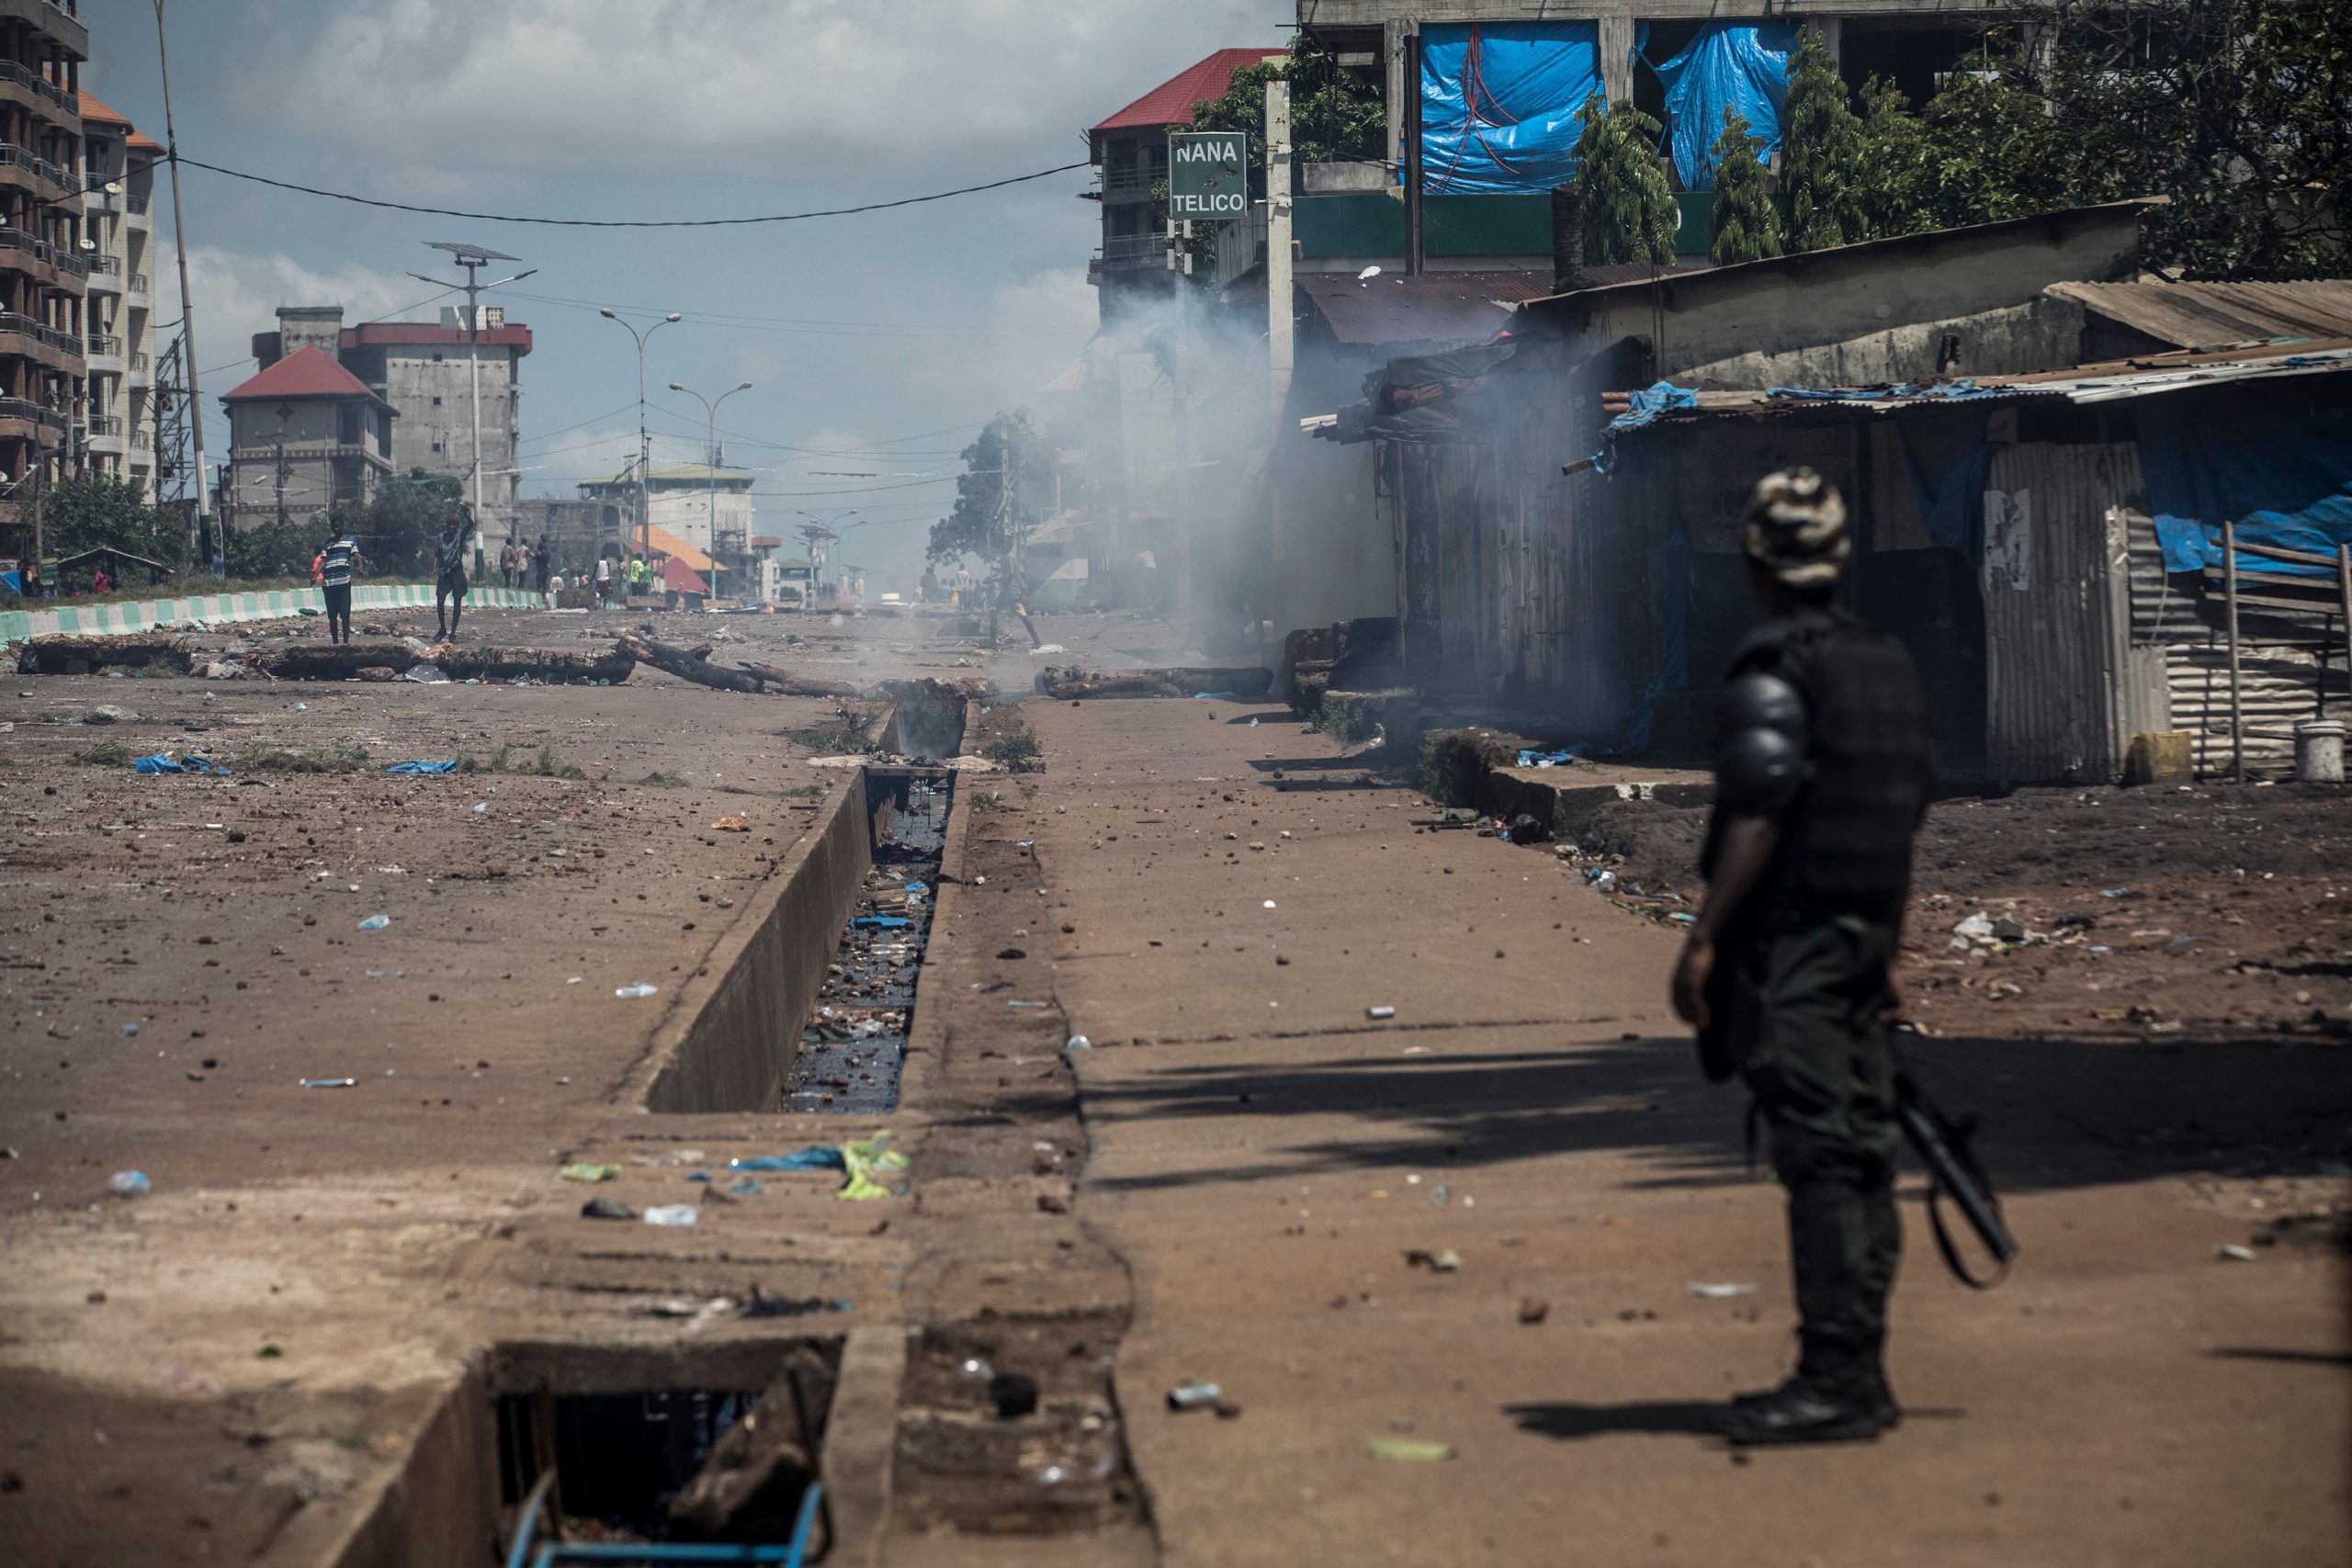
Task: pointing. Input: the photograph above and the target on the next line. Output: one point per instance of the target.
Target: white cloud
(237, 295)
(800, 91)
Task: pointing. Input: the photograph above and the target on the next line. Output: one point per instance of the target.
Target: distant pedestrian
(542, 561)
(336, 563)
(1821, 776)
(449, 571)
(604, 582)
(506, 564)
(100, 583)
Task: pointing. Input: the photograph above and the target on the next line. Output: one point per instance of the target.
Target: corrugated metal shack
(2008, 534)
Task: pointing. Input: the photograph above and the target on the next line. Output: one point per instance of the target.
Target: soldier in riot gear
(1821, 776)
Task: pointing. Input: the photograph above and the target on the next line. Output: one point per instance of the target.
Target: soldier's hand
(1690, 982)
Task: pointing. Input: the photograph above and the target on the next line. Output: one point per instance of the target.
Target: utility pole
(644, 446)
(198, 531)
(473, 258)
(1281, 350)
(710, 453)
(281, 473)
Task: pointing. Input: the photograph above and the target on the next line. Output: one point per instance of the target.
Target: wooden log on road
(682, 663)
(1181, 681)
(793, 685)
(66, 654)
(333, 661)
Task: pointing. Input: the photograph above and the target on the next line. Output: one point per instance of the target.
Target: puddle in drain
(853, 1045)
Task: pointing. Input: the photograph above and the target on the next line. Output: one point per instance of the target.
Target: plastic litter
(1380, 1012)
(449, 766)
(1720, 1292)
(1444, 1260)
(880, 922)
(481, 807)
(427, 675)
(1409, 1448)
(2231, 1252)
(330, 1083)
(606, 1209)
(637, 992)
(130, 1031)
(673, 1215)
(1015, 1395)
(1078, 1042)
(164, 762)
(1193, 1395)
(860, 1158)
(375, 922)
(976, 1370)
(131, 1183)
(730, 825)
(589, 1172)
(745, 1187)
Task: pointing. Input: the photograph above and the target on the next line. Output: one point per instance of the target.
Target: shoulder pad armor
(1760, 743)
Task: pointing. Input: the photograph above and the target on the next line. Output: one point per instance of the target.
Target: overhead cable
(624, 223)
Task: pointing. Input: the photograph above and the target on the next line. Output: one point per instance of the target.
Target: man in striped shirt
(335, 565)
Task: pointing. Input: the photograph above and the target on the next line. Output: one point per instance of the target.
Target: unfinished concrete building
(305, 435)
(425, 370)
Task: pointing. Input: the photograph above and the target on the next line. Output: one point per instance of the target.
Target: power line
(813, 327)
(624, 223)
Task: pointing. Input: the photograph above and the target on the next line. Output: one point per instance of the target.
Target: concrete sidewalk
(1264, 1156)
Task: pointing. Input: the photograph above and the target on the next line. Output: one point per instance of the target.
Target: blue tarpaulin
(2280, 468)
(1500, 104)
(423, 767)
(1651, 401)
(1739, 66)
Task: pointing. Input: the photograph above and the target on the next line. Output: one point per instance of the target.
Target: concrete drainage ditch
(735, 1038)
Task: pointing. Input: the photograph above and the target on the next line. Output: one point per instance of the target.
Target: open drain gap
(852, 1051)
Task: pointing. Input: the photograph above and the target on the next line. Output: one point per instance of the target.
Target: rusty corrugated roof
(1436, 307)
(2215, 315)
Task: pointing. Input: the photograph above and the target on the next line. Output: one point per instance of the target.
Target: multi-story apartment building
(1131, 149)
(304, 435)
(423, 370)
(705, 506)
(43, 275)
(118, 406)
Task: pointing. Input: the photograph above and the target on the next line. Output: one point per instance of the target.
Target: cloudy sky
(877, 343)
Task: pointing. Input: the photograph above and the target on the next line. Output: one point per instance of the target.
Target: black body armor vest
(1845, 839)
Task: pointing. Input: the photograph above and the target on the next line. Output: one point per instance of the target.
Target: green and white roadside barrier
(128, 616)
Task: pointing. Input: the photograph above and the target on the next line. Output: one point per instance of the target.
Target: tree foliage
(1334, 119)
(398, 527)
(1003, 492)
(1822, 170)
(2239, 111)
(85, 514)
(1629, 209)
(1743, 224)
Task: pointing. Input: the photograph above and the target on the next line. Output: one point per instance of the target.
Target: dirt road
(1476, 1223)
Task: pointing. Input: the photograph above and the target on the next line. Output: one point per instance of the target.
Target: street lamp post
(820, 530)
(644, 456)
(710, 452)
(473, 258)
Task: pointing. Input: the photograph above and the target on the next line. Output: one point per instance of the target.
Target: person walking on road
(1822, 776)
(336, 563)
(542, 561)
(604, 582)
(450, 569)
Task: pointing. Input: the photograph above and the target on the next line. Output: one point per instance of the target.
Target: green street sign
(1208, 175)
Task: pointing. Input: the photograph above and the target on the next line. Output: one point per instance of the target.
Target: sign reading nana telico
(1208, 177)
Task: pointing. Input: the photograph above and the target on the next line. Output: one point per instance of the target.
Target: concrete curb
(134, 615)
(861, 1441)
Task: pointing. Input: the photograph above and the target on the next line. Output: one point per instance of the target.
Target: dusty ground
(1224, 1185)
(2220, 912)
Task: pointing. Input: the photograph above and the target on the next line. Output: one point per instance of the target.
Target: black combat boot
(1813, 1410)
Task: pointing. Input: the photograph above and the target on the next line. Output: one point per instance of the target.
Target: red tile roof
(308, 372)
(1173, 101)
(94, 110)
